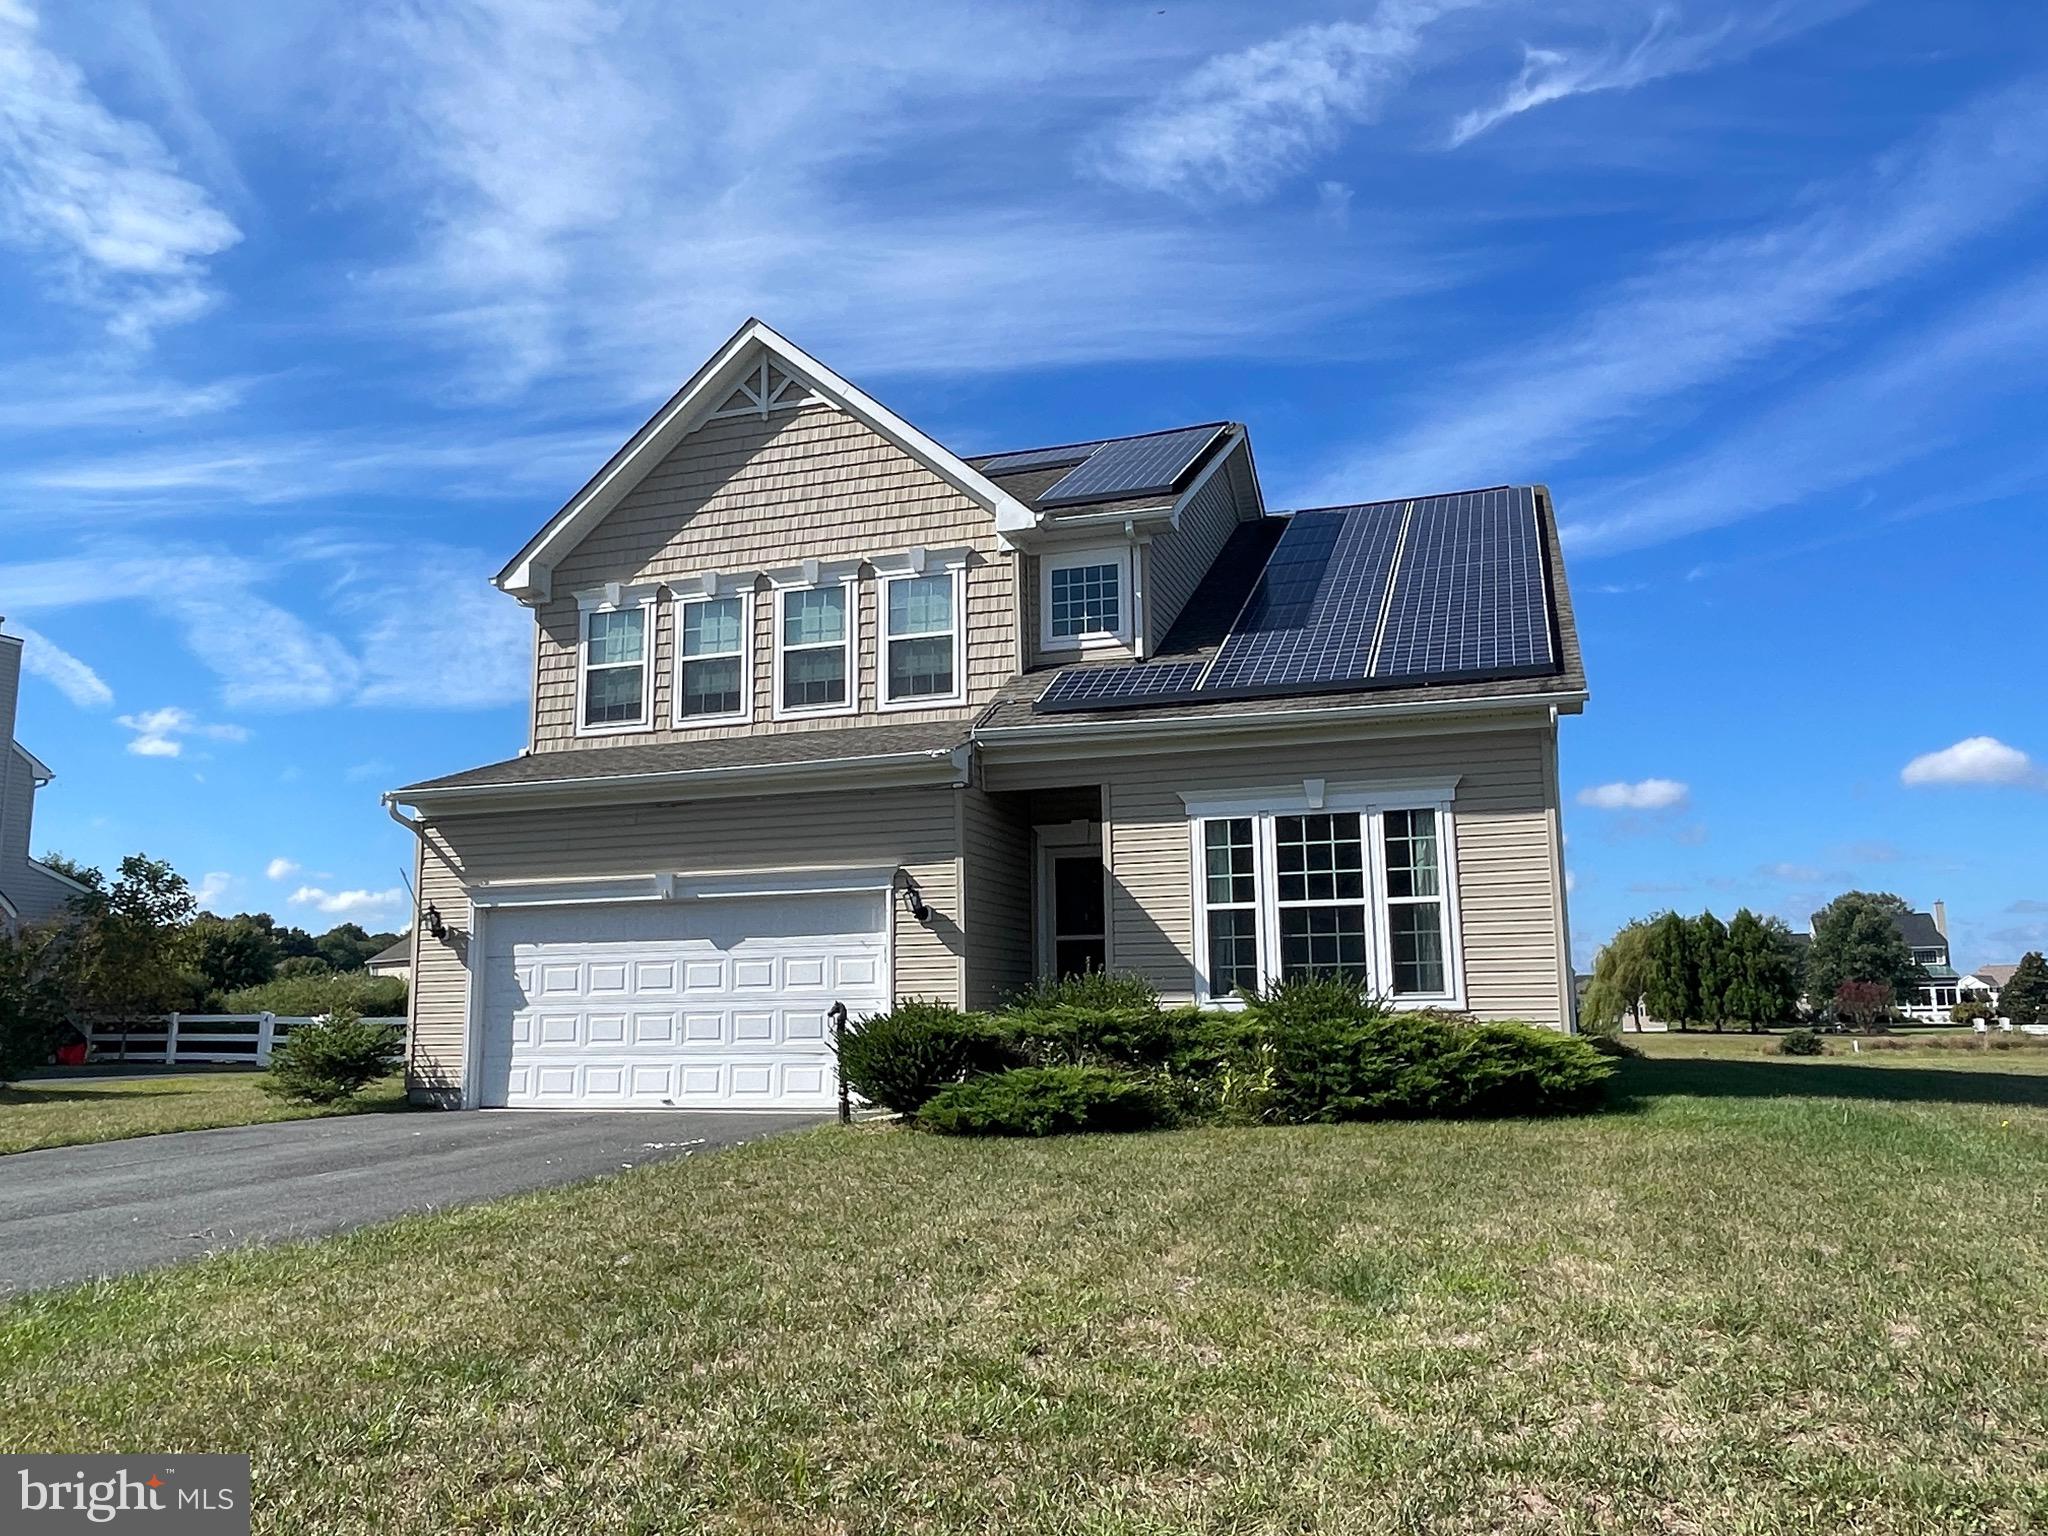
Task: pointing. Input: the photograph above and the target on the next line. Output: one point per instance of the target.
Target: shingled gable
(529, 576)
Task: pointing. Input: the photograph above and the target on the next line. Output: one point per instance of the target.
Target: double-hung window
(1085, 599)
(814, 650)
(921, 639)
(1349, 887)
(711, 660)
(613, 675)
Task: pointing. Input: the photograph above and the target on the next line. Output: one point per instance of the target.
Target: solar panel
(1469, 597)
(1108, 687)
(1315, 612)
(1132, 466)
(1035, 458)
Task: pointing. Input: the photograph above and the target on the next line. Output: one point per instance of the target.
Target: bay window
(1344, 885)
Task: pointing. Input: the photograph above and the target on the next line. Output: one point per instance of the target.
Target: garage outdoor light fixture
(913, 899)
(435, 925)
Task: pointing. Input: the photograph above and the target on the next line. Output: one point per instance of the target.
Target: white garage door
(687, 1003)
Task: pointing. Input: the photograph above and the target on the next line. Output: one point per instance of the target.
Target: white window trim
(888, 575)
(1118, 555)
(614, 598)
(818, 576)
(710, 592)
(1313, 796)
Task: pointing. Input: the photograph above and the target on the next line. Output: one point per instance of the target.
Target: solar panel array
(1381, 595)
(1036, 458)
(1132, 466)
(1093, 687)
(1469, 599)
(1315, 612)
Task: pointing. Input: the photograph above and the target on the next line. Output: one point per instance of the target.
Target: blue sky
(313, 313)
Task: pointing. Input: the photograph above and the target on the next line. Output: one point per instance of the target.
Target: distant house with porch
(1926, 935)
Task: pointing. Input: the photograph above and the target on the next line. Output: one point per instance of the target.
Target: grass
(71, 1111)
(1961, 1049)
(1760, 1297)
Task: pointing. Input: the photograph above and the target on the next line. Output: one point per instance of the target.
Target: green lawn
(68, 1111)
(1917, 1048)
(1761, 1297)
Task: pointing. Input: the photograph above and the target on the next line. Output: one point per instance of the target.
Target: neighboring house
(30, 892)
(1990, 980)
(394, 960)
(1926, 935)
(824, 713)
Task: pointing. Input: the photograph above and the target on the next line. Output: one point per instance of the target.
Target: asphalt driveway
(77, 1213)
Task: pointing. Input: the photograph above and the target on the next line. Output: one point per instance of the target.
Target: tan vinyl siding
(1178, 559)
(746, 495)
(996, 854)
(1505, 827)
(914, 829)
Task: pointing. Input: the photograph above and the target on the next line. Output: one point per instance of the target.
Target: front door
(1079, 930)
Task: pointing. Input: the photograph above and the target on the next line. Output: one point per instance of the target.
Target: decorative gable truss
(766, 388)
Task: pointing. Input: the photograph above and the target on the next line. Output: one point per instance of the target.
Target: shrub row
(1100, 1053)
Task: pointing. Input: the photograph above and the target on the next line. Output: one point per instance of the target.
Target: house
(824, 713)
(1926, 935)
(30, 892)
(394, 959)
(1989, 981)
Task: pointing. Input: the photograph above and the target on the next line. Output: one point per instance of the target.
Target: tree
(1855, 939)
(2024, 999)
(1763, 971)
(1621, 975)
(1673, 993)
(1864, 1004)
(31, 1002)
(1714, 964)
(65, 865)
(134, 943)
(346, 947)
(234, 952)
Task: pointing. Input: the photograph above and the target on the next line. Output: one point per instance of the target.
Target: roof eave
(934, 764)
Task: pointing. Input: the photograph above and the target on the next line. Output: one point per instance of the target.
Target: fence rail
(219, 1038)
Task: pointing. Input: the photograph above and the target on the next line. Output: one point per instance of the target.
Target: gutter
(1149, 724)
(680, 778)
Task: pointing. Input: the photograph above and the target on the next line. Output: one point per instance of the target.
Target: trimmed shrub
(1799, 1042)
(1098, 1019)
(309, 994)
(1338, 1054)
(1045, 1101)
(334, 1058)
(900, 1059)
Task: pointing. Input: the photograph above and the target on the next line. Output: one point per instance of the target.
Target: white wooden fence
(176, 1038)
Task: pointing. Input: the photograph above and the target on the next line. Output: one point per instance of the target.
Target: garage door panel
(746, 986)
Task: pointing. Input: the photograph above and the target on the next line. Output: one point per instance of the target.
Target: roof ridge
(1095, 442)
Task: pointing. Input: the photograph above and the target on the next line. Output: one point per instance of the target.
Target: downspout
(418, 829)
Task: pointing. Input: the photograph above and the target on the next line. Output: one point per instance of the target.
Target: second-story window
(613, 670)
(1085, 599)
(921, 643)
(711, 662)
(814, 659)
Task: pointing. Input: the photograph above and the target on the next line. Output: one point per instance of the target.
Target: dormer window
(1085, 599)
(711, 661)
(613, 677)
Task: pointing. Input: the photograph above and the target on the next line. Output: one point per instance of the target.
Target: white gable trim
(39, 771)
(530, 575)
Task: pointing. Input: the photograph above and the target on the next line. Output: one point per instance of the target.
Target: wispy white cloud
(1642, 795)
(1665, 48)
(43, 657)
(212, 885)
(356, 904)
(164, 732)
(1975, 760)
(280, 869)
(1926, 391)
(1709, 310)
(96, 195)
(1245, 121)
